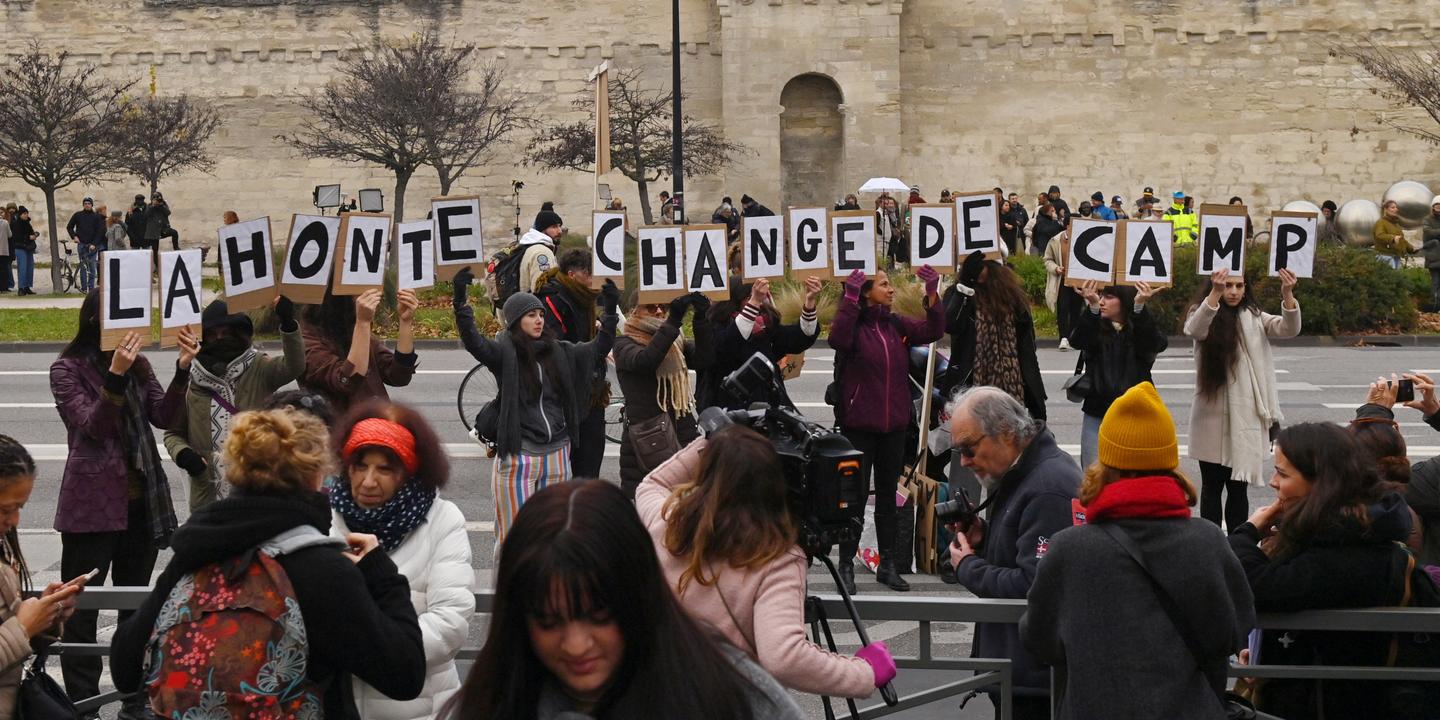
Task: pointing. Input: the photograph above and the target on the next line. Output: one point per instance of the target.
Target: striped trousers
(514, 478)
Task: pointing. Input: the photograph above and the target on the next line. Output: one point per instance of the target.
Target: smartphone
(1406, 391)
(81, 580)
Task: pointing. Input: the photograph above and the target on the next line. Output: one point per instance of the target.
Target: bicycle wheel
(478, 387)
(67, 278)
(615, 420)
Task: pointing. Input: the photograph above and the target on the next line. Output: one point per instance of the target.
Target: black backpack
(503, 272)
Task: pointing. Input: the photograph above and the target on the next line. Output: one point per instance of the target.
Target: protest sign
(977, 225)
(1222, 238)
(458, 242)
(852, 242)
(660, 264)
(308, 257)
(360, 253)
(1146, 251)
(607, 245)
(125, 277)
(1293, 239)
(246, 265)
(180, 288)
(1091, 252)
(932, 236)
(762, 247)
(705, 268)
(809, 243)
(415, 255)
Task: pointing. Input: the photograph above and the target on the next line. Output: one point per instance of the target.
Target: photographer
(135, 223)
(1030, 483)
(1377, 434)
(157, 223)
(873, 409)
(716, 512)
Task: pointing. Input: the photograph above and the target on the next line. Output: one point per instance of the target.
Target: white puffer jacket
(435, 558)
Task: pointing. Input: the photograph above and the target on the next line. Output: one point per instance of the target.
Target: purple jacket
(95, 491)
(875, 385)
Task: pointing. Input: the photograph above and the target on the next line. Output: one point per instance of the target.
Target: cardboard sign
(705, 269)
(1146, 251)
(125, 277)
(360, 253)
(932, 236)
(458, 242)
(607, 245)
(977, 225)
(1091, 252)
(180, 288)
(1293, 239)
(1222, 238)
(762, 247)
(309, 257)
(661, 264)
(247, 267)
(809, 243)
(415, 255)
(852, 244)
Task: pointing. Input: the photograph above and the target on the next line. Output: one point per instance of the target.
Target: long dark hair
(577, 550)
(334, 317)
(1221, 347)
(16, 464)
(1126, 295)
(1342, 478)
(532, 351)
(1000, 294)
(1380, 438)
(86, 342)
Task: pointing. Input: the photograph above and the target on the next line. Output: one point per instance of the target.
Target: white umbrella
(884, 184)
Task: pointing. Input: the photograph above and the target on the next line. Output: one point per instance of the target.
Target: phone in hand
(83, 579)
(1405, 392)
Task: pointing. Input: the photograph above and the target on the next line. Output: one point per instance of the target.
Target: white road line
(1186, 371)
(26, 406)
(24, 372)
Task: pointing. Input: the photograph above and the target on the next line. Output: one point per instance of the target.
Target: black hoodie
(358, 616)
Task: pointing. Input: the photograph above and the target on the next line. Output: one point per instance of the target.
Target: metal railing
(926, 611)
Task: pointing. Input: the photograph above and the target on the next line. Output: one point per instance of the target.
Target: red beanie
(379, 432)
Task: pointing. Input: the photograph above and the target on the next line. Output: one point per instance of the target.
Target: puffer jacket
(873, 345)
(1430, 237)
(435, 559)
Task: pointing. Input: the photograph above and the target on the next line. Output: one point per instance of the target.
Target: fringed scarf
(997, 358)
(221, 388)
(672, 389)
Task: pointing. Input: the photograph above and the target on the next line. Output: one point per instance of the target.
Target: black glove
(461, 296)
(285, 310)
(678, 307)
(190, 461)
(609, 297)
(970, 270)
(700, 303)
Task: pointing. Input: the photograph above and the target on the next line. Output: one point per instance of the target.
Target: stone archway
(812, 142)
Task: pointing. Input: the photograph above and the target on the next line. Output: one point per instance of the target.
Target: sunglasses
(967, 447)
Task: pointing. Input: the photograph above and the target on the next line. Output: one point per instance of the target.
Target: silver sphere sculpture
(1302, 206)
(1356, 220)
(1413, 199)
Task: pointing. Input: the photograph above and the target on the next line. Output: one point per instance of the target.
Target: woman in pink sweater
(716, 511)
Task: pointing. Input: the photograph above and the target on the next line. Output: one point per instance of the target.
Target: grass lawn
(38, 325)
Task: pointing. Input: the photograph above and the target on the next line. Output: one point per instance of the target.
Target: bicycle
(480, 387)
(69, 269)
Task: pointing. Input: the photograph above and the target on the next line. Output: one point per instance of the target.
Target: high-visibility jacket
(1187, 224)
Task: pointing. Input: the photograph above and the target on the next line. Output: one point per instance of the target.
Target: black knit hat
(547, 217)
(217, 314)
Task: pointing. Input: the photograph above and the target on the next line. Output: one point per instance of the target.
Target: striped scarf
(672, 389)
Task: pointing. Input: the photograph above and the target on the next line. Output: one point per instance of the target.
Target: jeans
(1215, 479)
(89, 254)
(131, 553)
(884, 461)
(1089, 440)
(1392, 260)
(7, 276)
(25, 268)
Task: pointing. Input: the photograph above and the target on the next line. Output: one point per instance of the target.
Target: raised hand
(813, 285)
(407, 303)
(1090, 291)
(931, 278)
(760, 292)
(461, 292)
(189, 346)
(609, 297)
(365, 305)
(124, 355)
(1425, 400)
(1217, 284)
(853, 283)
(1287, 286)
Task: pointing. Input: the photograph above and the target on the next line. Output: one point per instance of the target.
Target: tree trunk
(446, 179)
(402, 179)
(644, 188)
(55, 256)
(154, 186)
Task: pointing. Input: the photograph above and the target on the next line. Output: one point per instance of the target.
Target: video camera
(824, 485)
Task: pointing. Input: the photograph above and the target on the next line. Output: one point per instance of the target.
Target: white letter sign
(932, 236)
(705, 268)
(1293, 237)
(607, 243)
(763, 247)
(852, 245)
(458, 243)
(180, 288)
(124, 295)
(246, 264)
(308, 257)
(415, 255)
(809, 243)
(662, 264)
(1092, 252)
(1148, 246)
(360, 256)
(1222, 238)
(977, 225)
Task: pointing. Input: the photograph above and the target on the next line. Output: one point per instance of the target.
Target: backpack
(502, 276)
(230, 642)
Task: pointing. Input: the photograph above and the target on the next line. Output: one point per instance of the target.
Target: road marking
(19, 406)
(24, 372)
(482, 526)
(441, 372)
(1185, 371)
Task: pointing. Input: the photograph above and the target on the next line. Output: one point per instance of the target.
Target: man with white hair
(1029, 485)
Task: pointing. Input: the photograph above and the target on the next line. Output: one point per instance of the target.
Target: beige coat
(14, 642)
(1209, 416)
(1054, 260)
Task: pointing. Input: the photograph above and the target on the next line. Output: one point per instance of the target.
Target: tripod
(820, 623)
(515, 187)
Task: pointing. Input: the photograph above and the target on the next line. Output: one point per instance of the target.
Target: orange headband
(379, 432)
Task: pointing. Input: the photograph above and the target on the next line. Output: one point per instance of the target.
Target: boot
(846, 571)
(886, 575)
(136, 707)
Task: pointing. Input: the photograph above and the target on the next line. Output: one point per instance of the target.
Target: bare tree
(466, 126)
(640, 138)
(164, 136)
(58, 126)
(376, 112)
(1406, 77)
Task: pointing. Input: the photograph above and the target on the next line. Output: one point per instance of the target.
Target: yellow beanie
(1138, 432)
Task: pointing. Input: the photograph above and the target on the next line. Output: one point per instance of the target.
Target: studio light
(372, 200)
(327, 196)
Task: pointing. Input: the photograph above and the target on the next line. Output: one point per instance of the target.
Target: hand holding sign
(813, 286)
(189, 347)
(125, 354)
(366, 304)
(1143, 292)
(1287, 289)
(759, 293)
(1090, 293)
(407, 303)
(1217, 286)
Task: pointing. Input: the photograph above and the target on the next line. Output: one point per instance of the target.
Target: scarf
(221, 388)
(1155, 497)
(391, 522)
(1253, 404)
(145, 460)
(584, 299)
(672, 391)
(997, 360)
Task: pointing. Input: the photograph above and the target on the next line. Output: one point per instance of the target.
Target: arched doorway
(812, 142)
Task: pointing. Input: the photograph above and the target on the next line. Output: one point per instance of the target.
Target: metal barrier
(925, 611)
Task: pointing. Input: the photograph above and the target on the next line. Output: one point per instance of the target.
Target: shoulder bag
(40, 697)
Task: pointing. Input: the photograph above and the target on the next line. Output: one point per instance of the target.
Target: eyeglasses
(967, 447)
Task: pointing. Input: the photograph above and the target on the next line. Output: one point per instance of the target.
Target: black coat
(960, 324)
(21, 234)
(87, 227)
(1115, 360)
(1422, 493)
(157, 221)
(135, 226)
(732, 350)
(1046, 228)
(358, 616)
(635, 366)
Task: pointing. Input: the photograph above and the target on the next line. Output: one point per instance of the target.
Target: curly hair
(1099, 475)
(277, 451)
(434, 469)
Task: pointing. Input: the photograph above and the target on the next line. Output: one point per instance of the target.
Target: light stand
(515, 187)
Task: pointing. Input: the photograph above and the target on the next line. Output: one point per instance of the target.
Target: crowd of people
(318, 539)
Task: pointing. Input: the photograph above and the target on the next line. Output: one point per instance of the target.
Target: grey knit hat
(517, 305)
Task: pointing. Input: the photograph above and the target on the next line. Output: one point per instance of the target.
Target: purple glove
(931, 278)
(853, 284)
(880, 661)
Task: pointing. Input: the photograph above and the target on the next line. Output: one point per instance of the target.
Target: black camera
(1405, 391)
(825, 489)
(959, 510)
(517, 185)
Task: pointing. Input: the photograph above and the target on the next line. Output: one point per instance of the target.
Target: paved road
(1315, 384)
